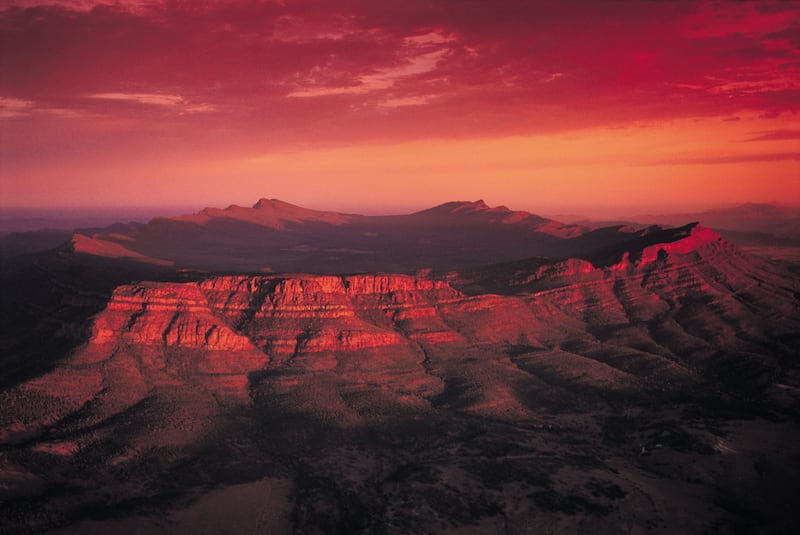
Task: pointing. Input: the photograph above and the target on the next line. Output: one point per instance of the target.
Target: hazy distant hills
(70, 218)
(27, 230)
(276, 236)
(779, 221)
(273, 235)
(747, 224)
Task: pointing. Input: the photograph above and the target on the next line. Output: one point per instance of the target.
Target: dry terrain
(647, 386)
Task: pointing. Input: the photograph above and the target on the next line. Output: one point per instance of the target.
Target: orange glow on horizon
(681, 165)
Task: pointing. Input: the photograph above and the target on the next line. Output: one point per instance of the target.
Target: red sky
(595, 107)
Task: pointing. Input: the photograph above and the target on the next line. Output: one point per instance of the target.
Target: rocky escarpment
(156, 343)
(655, 320)
(539, 376)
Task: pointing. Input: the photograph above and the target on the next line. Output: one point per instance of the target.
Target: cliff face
(655, 319)
(176, 315)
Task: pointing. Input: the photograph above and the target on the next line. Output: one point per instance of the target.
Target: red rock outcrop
(168, 315)
(325, 313)
(320, 342)
(698, 241)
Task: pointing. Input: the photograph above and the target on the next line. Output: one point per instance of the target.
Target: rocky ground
(654, 391)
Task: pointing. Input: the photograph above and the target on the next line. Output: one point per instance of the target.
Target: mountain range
(749, 224)
(274, 236)
(463, 369)
(277, 236)
(770, 219)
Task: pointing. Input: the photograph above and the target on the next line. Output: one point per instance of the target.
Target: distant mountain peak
(266, 204)
(464, 207)
(461, 206)
(268, 213)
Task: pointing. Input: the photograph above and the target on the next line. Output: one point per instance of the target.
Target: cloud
(729, 159)
(199, 108)
(401, 102)
(80, 5)
(14, 107)
(382, 79)
(142, 98)
(159, 100)
(775, 135)
(465, 68)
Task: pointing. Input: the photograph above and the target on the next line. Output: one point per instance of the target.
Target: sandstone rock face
(320, 342)
(590, 361)
(175, 315)
(700, 241)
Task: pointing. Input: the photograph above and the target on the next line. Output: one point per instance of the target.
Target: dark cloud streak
(722, 160)
(775, 135)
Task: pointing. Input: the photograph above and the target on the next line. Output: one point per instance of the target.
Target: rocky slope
(655, 318)
(681, 315)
